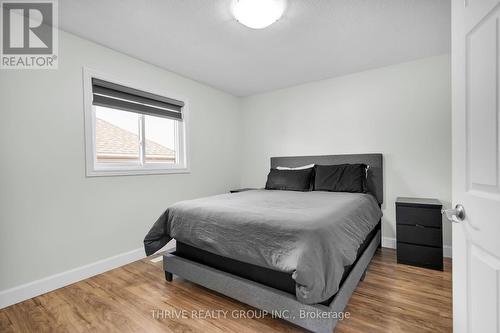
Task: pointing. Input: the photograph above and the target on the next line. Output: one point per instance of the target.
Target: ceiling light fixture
(258, 14)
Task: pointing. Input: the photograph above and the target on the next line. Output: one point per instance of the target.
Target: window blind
(116, 96)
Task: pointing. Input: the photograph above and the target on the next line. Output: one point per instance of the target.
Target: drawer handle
(420, 226)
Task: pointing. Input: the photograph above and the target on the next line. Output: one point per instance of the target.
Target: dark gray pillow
(290, 180)
(340, 178)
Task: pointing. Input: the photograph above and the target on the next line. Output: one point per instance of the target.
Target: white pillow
(296, 168)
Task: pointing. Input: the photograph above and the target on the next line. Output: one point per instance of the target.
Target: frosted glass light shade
(258, 14)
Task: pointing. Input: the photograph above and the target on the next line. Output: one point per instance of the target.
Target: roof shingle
(112, 140)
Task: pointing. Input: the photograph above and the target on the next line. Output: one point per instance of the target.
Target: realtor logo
(29, 34)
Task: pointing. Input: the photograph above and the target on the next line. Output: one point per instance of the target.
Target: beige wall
(53, 218)
(402, 111)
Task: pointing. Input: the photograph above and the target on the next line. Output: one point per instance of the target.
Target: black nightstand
(242, 190)
(419, 232)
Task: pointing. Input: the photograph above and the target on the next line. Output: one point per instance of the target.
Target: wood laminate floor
(392, 298)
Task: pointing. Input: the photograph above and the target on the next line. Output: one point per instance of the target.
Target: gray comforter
(311, 235)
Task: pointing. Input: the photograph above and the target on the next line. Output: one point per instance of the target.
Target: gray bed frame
(317, 317)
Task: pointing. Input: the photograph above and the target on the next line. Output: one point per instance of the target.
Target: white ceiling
(315, 39)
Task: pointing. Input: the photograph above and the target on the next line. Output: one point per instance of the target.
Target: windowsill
(135, 172)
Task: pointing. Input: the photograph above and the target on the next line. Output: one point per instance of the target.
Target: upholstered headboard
(375, 172)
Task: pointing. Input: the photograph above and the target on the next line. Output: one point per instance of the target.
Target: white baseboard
(391, 243)
(447, 251)
(29, 290)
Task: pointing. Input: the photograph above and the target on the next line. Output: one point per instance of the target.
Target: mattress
(266, 276)
(309, 235)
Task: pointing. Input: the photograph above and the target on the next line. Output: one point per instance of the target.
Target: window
(132, 131)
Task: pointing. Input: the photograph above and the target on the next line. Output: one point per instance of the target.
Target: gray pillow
(290, 180)
(340, 178)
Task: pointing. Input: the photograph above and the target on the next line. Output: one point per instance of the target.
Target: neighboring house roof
(114, 140)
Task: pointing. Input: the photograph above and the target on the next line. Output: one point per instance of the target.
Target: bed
(296, 255)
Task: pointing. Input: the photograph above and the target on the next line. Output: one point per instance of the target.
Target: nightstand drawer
(418, 216)
(431, 257)
(420, 235)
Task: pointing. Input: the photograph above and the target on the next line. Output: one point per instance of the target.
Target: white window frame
(94, 169)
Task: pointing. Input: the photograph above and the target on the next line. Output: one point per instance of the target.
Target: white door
(476, 164)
